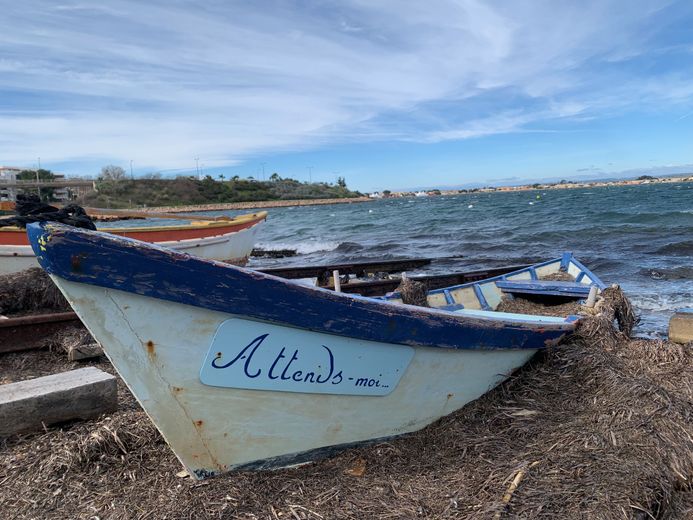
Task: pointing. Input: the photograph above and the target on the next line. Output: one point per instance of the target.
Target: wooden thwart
(544, 287)
(78, 394)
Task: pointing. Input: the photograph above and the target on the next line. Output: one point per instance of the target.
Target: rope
(30, 209)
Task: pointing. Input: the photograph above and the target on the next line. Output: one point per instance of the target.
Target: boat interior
(558, 280)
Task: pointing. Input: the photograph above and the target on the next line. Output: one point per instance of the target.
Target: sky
(388, 94)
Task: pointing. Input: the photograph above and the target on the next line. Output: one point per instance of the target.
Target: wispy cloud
(163, 82)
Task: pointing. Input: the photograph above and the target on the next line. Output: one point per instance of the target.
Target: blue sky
(389, 94)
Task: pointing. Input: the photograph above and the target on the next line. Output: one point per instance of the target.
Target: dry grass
(30, 291)
(599, 428)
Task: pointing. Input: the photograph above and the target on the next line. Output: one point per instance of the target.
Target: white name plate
(260, 356)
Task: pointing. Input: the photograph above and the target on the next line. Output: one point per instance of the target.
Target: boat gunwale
(243, 219)
(297, 306)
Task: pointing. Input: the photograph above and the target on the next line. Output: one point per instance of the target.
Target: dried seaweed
(413, 292)
(600, 427)
(29, 291)
(524, 306)
(559, 276)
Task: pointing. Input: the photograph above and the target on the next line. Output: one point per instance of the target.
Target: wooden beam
(154, 214)
(355, 268)
(438, 281)
(77, 394)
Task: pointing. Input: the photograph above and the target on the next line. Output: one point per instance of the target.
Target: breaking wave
(302, 248)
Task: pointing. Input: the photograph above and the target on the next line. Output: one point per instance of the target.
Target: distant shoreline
(254, 205)
(563, 185)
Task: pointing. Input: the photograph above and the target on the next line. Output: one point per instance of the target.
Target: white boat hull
(159, 348)
(233, 248)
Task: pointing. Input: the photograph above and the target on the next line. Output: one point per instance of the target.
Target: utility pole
(131, 176)
(38, 188)
(197, 165)
(263, 171)
(310, 174)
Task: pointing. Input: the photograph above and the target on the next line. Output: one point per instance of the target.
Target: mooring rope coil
(30, 209)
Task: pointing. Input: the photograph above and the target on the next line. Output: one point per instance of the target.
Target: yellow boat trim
(195, 224)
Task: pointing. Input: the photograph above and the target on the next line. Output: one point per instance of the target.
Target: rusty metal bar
(24, 332)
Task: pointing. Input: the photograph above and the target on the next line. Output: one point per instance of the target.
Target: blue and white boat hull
(240, 369)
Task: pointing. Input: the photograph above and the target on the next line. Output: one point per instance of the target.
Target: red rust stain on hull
(150, 348)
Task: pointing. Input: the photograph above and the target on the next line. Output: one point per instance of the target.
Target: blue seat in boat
(547, 287)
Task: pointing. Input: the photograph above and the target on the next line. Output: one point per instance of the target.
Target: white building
(7, 175)
(61, 194)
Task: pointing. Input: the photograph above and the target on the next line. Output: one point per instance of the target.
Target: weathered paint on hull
(234, 247)
(158, 348)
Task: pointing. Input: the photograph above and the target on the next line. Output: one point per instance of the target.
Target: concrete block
(77, 394)
(681, 326)
(79, 352)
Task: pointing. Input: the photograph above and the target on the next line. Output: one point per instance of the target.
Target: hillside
(124, 193)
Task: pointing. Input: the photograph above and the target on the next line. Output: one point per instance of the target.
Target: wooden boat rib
(230, 240)
(240, 369)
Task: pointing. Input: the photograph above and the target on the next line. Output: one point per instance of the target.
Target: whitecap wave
(302, 248)
(659, 303)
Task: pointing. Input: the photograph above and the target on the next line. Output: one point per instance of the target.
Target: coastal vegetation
(115, 190)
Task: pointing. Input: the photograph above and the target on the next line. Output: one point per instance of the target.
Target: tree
(112, 173)
(222, 177)
(341, 182)
(386, 193)
(30, 175)
(42, 175)
(275, 177)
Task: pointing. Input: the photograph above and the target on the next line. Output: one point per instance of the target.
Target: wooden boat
(244, 370)
(230, 240)
(6, 208)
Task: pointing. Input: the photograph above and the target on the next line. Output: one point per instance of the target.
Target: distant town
(562, 185)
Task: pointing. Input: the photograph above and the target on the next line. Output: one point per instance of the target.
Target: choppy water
(640, 237)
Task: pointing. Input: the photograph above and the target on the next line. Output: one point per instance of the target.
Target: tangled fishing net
(29, 209)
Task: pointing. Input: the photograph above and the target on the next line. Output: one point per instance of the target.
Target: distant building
(61, 194)
(7, 175)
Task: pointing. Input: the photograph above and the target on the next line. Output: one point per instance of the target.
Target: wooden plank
(356, 268)
(154, 214)
(437, 281)
(547, 287)
(78, 394)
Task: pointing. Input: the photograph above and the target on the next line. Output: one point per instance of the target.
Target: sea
(639, 237)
